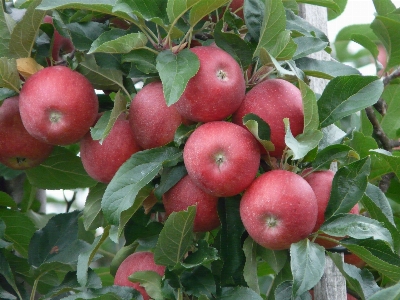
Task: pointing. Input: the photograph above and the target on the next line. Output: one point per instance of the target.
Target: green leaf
(100, 78)
(117, 41)
(7, 201)
(274, 23)
(379, 209)
(377, 254)
(254, 12)
(175, 9)
(61, 170)
(149, 10)
(175, 72)
(390, 122)
(285, 47)
(92, 214)
(392, 292)
(230, 242)
(384, 7)
(19, 230)
(366, 42)
(296, 23)
(175, 238)
(334, 14)
(362, 144)
(107, 293)
(345, 95)
(348, 187)
(151, 281)
(7, 25)
(360, 281)
(169, 177)
(303, 143)
(86, 258)
(9, 77)
(102, 6)
(284, 291)
(84, 34)
(386, 28)
(199, 281)
(307, 261)
(307, 45)
(260, 130)
(143, 59)
(311, 118)
(276, 259)
(325, 3)
(238, 48)
(131, 177)
(250, 267)
(203, 8)
(342, 154)
(6, 272)
(238, 293)
(25, 31)
(383, 162)
(356, 226)
(204, 254)
(324, 69)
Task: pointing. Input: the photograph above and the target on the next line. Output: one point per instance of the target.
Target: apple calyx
(222, 75)
(219, 159)
(55, 116)
(271, 221)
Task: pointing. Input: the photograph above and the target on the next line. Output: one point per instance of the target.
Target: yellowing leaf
(27, 67)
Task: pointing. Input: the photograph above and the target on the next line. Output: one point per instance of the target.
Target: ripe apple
(235, 5)
(18, 149)
(153, 123)
(61, 44)
(221, 158)
(321, 183)
(217, 89)
(273, 100)
(354, 260)
(58, 105)
(184, 194)
(102, 161)
(138, 261)
(278, 209)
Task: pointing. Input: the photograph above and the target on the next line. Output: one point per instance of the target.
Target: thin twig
(378, 131)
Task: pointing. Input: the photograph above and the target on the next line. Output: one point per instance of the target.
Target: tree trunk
(332, 285)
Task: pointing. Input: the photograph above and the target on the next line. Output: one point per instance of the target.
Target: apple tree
(213, 168)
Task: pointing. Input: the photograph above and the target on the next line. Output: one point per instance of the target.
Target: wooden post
(332, 285)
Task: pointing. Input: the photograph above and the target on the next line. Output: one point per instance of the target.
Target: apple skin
(273, 100)
(138, 261)
(278, 209)
(217, 89)
(221, 158)
(58, 105)
(352, 259)
(102, 161)
(153, 123)
(235, 5)
(184, 194)
(18, 149)
(321, 183)
(60, 43)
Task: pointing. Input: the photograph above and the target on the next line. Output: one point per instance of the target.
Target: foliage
(120, 43)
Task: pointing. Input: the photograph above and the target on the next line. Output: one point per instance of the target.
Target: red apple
(217, 89)
(235, 6)
(138, 261)
(61, 44)
(221, 158)
(278, 209)
(321, 183)
(102, 161)
(184, 194)
(153, 123)
(58, 105)
(18, 149)
(352, 259)
(273, 100)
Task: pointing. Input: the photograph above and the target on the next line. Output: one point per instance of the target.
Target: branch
(378, 131)
(395, 74)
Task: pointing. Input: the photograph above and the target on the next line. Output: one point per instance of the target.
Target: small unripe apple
(273, 100)
(102, 161)
(217, 89)
(153, 123)
(138, 261)
(221, 158)
(58, 105)
(184, 194)
(18, 149)
(278, 209)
